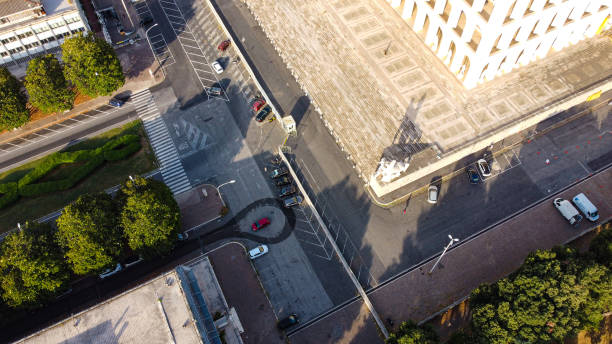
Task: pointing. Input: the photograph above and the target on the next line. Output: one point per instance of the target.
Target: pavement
(199, 206)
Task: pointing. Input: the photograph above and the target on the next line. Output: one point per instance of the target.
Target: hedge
(94, 158)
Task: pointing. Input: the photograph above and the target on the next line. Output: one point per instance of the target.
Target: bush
(10, 194)
(130, 143)
(411, 333)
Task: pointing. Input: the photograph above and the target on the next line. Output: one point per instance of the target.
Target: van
(586, 207)
(568, 211)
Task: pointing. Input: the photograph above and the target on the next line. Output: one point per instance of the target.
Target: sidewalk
(197, 209)
(487, 257)
(136, 61)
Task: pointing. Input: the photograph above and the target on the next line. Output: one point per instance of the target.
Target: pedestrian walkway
(170, 165)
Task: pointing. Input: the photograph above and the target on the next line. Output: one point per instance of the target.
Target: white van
(586, 207)
(568, 211)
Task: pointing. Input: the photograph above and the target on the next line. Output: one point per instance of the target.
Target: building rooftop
(136, 316)
(8, 7)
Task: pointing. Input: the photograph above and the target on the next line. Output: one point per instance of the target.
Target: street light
(452, 240)
(219, 192)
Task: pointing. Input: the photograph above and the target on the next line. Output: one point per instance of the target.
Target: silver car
(432, 194)
(217, 67)
(258, 251)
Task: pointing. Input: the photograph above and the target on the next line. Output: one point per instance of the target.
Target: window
(5, 41)
(12, 39)
(4, 54)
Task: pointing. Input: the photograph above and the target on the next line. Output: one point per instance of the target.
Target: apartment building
(29, 28)
(480, 39)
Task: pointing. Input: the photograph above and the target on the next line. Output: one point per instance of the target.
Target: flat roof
(8, 7)
(135, 316)
(57, 6)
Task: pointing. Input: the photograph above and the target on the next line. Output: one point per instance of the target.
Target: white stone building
(480, 39)
(29, 28)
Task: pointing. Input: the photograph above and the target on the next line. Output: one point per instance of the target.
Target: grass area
(108, 175)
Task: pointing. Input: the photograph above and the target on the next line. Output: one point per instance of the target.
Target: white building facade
(29, 31)
(481, 39)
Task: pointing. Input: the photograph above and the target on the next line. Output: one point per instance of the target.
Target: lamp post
(219, 187)
(452, 240)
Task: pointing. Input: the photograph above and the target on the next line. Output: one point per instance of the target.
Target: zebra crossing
(170, 165)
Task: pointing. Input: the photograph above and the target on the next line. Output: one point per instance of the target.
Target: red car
(260, 224)
(258, 104)
(223, 45)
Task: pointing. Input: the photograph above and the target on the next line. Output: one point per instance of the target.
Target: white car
(432, 194)
(217, 67)
(110, 271)
(258, 251)
(484, 168)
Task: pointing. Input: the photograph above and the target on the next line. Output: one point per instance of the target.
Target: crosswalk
(170, 165)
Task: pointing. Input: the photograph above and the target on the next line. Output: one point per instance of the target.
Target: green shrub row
(114, 150)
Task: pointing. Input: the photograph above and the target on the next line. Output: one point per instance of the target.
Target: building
(480, 39)
(185, 305)
(29, 28)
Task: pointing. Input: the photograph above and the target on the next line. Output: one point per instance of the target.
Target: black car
(263, 113)
(287, 322)
(287, 190)
(119, 100)
(278, 172)
(282, 181)
(473, 176)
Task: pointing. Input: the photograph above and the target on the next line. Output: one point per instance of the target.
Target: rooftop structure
(384, 94)
(481, 39)
(29, 28)
(172, 308)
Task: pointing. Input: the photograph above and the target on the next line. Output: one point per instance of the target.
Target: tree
(542, 301)
(601, 247)
(47, 86)
(89, 231)
(410, 333)
(92, 65)
(13, 111)
(150, 217)
(32, 266)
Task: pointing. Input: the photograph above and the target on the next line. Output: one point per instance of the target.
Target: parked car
(278, 172)
(291, 201)
(217, 67)
(432, 194)
(258, 251)
(183, 236)
(586, 207)
(263, 113)
(287, 322)
(568, 211)
(473, 176)
(287, 190)
(258, 104)
(484, 168)
(224, 45)
(111, 271)
(215, 91)
(259, 224)
(282, 181)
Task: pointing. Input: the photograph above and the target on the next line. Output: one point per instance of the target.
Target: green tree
(410, 333)
(150, 217)
(601, 247)
(47, 86)
(13, 111)
(92, 65)
(32, 266)
(541, 302)
(89, 231)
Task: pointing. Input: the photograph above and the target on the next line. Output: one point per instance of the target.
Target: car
(217, 67)
(278, 172)
(215, 91)
(568, 211)
(258, 251)
(224, 45)
(261, 223)
(263, 113)
(473, 176)
(586, 207)
(287, 190)
(483, 167)
(111, 271)
(287, 322)
(432, 194)
(291, 201)
(258, 104)
(282, 181)
(183, 236)
(116, 102)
